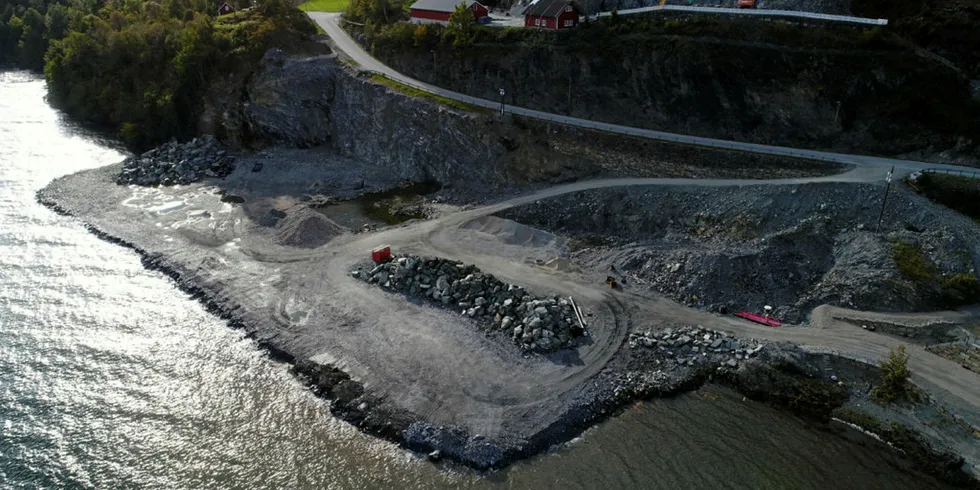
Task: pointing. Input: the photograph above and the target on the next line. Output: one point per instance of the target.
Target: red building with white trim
(225, 9)
(437, 11)
(552, 14)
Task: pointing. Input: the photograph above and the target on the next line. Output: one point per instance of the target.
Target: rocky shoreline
(178, 163)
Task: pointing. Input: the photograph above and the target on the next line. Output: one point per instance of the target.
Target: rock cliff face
(414, 137)
(289, 100)
(317, 101)
(847, 92)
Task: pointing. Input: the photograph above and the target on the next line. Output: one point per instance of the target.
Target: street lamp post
(501, 102)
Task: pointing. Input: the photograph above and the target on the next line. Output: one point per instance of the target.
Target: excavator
(611, 281)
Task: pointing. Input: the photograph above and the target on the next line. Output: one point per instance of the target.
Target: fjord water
(112, 378)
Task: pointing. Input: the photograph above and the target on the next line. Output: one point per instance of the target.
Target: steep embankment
(319, 102)
(945, 27)
(807, 86)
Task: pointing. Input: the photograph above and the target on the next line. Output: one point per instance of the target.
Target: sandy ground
(286, 276)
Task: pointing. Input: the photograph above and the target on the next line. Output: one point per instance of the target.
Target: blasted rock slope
(793, 247)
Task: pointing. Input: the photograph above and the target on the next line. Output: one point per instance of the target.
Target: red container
(746, 4)
(765, 320)
(381, 254)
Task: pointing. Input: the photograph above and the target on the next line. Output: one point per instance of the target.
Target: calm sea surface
(112, 378)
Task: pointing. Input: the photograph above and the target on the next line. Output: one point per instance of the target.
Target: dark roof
(441, 5)
(548, 8)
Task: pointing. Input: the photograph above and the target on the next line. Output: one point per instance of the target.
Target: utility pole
(501, 102)
(837, 114)
(888, 185)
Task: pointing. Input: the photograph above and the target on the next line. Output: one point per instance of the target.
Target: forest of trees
(140, 68)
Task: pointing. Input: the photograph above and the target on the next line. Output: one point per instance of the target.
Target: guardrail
(750, 12)
(975, 174)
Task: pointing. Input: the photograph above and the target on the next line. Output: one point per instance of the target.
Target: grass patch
(947, 291)
(324, 5)
(414, 92)
(957, 192)
(912, 263)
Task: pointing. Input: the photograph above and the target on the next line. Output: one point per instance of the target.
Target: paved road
(330, 23)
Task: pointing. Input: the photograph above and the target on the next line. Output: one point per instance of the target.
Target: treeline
(140, 68)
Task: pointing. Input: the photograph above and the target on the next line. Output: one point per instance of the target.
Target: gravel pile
(306, 228)
(539, 324)
(175, 163)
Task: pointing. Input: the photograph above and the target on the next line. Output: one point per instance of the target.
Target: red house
(437, 11)
(552, 14)
(225, 9)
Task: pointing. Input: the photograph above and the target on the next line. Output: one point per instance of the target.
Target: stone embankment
(538, 324)
(178, 163)
(697, 346)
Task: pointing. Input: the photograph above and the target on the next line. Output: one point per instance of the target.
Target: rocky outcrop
(318, 101)
(534, 323)
(177, 164)
(289, 100)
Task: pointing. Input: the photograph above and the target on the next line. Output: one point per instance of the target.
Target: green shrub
(895, 374)
(948, 292)
(912, 263)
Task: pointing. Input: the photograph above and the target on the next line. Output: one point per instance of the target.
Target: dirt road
(952, 384)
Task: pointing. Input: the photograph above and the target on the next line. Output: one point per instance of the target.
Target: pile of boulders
(697, 346)
(540, 324)
(177, 163)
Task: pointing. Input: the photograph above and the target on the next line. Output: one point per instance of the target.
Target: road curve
(330, 23)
